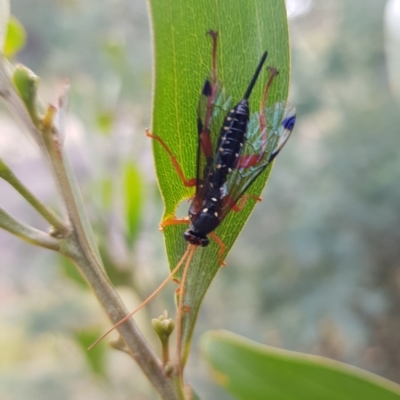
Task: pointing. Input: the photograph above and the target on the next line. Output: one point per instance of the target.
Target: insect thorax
(207, 219)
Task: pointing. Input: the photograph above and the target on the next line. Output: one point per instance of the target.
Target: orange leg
(209, 91)
(242, 201)
(273, 72)
(222, 248)
(186, 309)
(173, 221)
(238, 206)
(187, 182)
(182, 309)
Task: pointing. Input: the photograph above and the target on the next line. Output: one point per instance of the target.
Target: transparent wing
(263, 143)
(211, 112)
(223, 103)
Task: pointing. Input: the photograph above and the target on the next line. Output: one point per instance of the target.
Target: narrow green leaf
(133, 194)
(71, 272)
(27, 83)
(251, 371)
(82, 211)
(15, 38)
(182, 62)
(4, 15)
(96, 356)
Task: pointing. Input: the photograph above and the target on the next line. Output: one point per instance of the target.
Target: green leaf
(4, 15)
(15, 38)
(251, 371)
(182, 62)
(87, 227)
(133, 195)
(118, 275)
(71, 272)
(27, 83)
(96, 356)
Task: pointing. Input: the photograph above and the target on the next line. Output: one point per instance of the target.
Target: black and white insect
(233, 150)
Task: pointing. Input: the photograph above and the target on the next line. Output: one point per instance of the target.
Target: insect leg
(214, 35)
(175, 163)
(222, 248)
(173, 221)
(181, 309)
(209, 92)
(273, 72)
(242, 201)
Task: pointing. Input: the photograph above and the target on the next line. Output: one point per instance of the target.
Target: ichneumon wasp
(231, 157)
(234, 148)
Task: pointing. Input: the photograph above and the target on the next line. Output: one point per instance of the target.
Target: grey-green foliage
(329, 222)
(327, 283)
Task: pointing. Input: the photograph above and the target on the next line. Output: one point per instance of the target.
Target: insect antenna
(255, 76)
(189, 252)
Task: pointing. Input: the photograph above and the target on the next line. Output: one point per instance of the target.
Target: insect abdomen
(232, 138)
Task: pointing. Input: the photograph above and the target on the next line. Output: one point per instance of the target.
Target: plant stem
(78, 248)
(27, 233)
(85, 258)
(136, 344)
(47, 213)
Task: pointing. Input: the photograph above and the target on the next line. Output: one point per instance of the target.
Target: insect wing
(211, 112)
(285, 124)
(261, 147)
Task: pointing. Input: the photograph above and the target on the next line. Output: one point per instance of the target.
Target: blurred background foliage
(317, 268)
